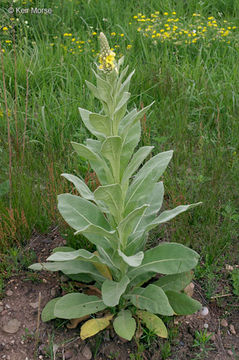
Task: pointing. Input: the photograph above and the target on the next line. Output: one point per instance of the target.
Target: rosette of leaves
(116, 218)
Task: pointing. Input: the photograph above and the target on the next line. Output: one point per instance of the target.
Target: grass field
(186, 59)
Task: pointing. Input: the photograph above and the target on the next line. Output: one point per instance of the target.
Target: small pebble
(204, 311)
(232, 329)
(9, 292)
(68, 354)
(44, 281)
(7, 306)
(224, 323)
(12, 326)
(53, 292)
(86, 352)
(34, 305)
(230, 353)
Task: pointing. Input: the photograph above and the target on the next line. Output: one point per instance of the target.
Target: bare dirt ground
(23, 336)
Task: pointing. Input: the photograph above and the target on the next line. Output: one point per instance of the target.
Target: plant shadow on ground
(188, 337)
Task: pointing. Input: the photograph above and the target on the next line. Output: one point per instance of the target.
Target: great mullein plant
(116, 218)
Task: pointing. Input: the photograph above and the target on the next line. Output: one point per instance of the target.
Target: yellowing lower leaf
(103, 269)
(153, 323)
(93, 326)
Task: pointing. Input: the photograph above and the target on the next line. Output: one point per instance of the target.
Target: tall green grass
(196, 110)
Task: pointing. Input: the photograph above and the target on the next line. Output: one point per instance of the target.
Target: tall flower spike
(107, 56)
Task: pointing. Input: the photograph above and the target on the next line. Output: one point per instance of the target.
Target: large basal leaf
(166, 258)
(80, 214)
(112, 197)
(70, 267)
(151, 298)
(182, 304)
(112, 291)
(153, 323)
(128, 224)
(125, 325)
(81, 186)
(80, 254)
(48, 311)
(148, 175)
(135, 162)
(176, 282)
(93, 326)
(76, 305)
(134, 260)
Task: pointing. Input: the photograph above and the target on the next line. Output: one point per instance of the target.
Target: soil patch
(23, 336)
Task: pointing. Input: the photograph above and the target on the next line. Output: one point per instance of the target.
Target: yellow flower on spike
(107, 56)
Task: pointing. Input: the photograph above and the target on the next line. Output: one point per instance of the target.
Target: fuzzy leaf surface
(176, 282)
(166, 258)
(112, 291)
(151, 298)
(76, 305)
(182, 304)
(48, 311)
(125, 325)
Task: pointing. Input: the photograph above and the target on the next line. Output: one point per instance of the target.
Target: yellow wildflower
(5, 28)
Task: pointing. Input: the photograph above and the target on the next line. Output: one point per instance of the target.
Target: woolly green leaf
(70, 267)
(176, 282)
(127, 225)
(101, 123)
(151, 298)
(80, 185)
(134, 260)
(125, 325)
(182, 304)
(111, 195)
(136, 161)
(76, 305)
(112, 291)
(48, 311)
(147, 175)
(166, 258)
